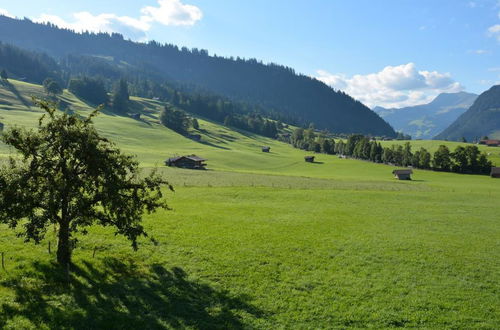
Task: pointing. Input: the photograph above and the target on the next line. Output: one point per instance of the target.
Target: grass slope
(267, 241)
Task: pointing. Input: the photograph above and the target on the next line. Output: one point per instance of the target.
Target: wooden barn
(309, 159)
(490, 143)
(191, 162)
(495, 172)
(403, 174)
(266, 149)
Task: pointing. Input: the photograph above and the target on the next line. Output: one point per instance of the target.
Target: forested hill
(270, 86)
(481, 119)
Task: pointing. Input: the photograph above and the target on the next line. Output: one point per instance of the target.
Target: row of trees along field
(464, 159)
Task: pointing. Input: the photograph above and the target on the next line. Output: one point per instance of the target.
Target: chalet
(490, 143)
(266, 149)
(495, 172)
(403, 174)
(191, 161)
(309, 159)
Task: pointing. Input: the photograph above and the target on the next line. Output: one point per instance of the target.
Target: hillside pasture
(265, 240)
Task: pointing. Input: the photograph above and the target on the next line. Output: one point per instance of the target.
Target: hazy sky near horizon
(390, 53)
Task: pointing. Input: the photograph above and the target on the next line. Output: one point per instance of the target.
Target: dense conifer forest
(271, 88)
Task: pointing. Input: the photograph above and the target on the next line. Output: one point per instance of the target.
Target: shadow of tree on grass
(120, 295)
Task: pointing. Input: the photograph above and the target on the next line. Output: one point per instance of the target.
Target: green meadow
(264, 240)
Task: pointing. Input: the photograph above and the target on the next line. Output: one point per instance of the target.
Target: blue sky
(384, 52)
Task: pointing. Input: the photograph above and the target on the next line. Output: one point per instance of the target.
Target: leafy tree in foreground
(70, 176)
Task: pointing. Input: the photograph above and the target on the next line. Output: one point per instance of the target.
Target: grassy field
(266, 241)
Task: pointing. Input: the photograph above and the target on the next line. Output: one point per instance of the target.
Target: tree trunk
(63, 247)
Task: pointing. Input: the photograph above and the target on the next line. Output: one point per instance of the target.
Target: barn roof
(196, 158)
(490, 141)
(174, 159)
(405, 171)
(192, 157)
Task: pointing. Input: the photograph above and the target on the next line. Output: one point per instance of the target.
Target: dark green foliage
(70, 176)
(307, 139)
(464, 160)
(174, 119)
(30, 66)
(89, 89)
(52, 87)
(4, 75)
(270, 86)
(442, 159)
(402, 136)
(121, 97)
(470, 160)
(195, 124)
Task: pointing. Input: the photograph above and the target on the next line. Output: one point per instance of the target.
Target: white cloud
(85, 21)
(494, 31)
(172, 12)
(5, 12)
(393, 86)
(472, 4)
(168, 12)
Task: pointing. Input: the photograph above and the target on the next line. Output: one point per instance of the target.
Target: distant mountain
(482, 119)
(426, 120)
(270, 86)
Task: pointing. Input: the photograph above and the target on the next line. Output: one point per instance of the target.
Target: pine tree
(4, 75)
(121, 97)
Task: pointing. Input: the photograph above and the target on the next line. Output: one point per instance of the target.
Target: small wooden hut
(266, 149)
(490, 143)
(309, 159)
(191, 162)
(403, 174)
(495, 172)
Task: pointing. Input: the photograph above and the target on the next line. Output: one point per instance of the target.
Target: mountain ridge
(427, 120)
(481, 119)
(268, 85)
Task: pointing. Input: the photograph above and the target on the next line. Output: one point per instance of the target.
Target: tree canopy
(70, 176)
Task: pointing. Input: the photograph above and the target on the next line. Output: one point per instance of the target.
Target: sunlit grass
(267, 241)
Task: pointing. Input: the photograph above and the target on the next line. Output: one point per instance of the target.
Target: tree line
(464, 159)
